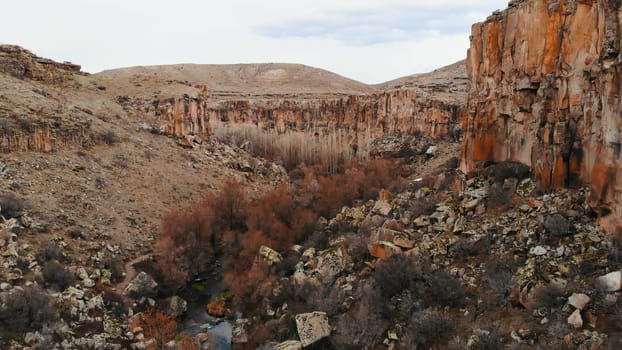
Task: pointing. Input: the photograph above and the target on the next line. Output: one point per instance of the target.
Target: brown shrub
(216, 308)
(159, 326)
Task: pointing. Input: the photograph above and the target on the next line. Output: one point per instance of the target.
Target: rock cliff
(544, 90)
(367, 116)
(430, 104)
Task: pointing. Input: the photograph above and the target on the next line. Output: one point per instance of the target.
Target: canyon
(544, 90)
(492, 219)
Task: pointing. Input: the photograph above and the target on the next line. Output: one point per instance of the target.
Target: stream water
(196, 320)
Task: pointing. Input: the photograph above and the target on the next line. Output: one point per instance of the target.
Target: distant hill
(244, 79)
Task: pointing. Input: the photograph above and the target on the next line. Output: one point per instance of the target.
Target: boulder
(270, 255)
(312, 327)
(611, 282)
(383, 250)
(575, 319)
(382, 208)
(142, 285)
(579, 300)
(332, 262)
(177, 306)
(239, 334)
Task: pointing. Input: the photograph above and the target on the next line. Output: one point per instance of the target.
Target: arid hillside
(244, 80)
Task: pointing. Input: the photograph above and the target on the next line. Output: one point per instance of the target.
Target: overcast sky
(367, 40)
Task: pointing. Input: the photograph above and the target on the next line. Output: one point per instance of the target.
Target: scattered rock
(575, 319)
(383, 250)
(177, 306)
(289, 345)
(312, 327)
(240, 331)
(382, 208)
(579, 300)
(270, 255)
(611, 282)
(538, 251)
(142, 285)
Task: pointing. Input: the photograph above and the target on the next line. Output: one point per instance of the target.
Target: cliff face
(368, 116)
(544, 89)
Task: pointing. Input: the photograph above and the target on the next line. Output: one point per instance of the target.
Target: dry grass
(296, 147)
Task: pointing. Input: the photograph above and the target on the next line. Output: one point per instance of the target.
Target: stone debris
(312, 327)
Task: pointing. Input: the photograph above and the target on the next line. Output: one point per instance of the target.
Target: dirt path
(130, 272)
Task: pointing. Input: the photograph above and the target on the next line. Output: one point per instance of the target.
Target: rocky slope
(544, 85)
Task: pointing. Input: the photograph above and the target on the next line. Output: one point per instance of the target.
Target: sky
(367, 40)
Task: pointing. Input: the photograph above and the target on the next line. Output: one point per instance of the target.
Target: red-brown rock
(544, 86)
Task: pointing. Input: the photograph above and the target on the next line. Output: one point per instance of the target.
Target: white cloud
(367, 40)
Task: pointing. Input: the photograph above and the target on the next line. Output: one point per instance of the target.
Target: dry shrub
(499, 277)
(11, 206)
(398, 274)
(296, 147)
(56, 275)
(50, 251)
(216, 308)
(498, 197)
(26, 309)
(549, 296)
(362, 326)
(159, 326)
(445, 289)
(186, 342)
(428, 327)
(250, 289)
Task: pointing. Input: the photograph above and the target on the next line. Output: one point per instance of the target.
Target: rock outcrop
(544, 90)
(23, 64)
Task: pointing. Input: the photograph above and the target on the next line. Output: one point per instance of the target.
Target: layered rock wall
(368, 116)
(544, 90)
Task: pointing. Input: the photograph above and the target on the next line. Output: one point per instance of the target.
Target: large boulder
(332, 262)
(611, 282)
(312, 327)
(142, 285)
